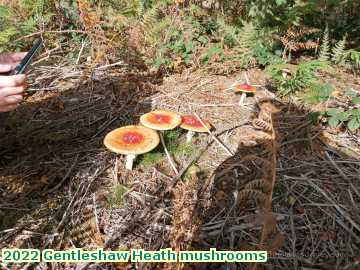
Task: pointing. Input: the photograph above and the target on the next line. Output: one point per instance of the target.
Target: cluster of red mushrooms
(140, 139)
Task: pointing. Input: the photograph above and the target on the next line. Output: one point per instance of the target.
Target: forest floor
(60, 188)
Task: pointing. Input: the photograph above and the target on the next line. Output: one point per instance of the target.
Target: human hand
(8, 61)
(11, 87)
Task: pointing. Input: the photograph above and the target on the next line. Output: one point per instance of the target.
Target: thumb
(5, 68)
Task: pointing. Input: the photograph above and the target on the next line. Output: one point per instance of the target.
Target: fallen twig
(337, 207)
(227, 150)
(66, 175)
(171, 161)
(342, 174)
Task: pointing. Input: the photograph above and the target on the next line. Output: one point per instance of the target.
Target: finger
(14, 65)
(13, 57)
(11, 81)
(8, 108)
(5, 68)
(10, 91)
(12, 100)
(18, 56)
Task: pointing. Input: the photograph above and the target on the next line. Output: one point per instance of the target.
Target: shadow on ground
(45, 143)
(53, 149)
(315, 215)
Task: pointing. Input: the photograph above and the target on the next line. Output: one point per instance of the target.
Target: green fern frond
(247, 38)
(141, 7)
(6, 36)
(33, 7)
(155, 25)
(289, 78)
(150, 17)
(324, 54)
(227, 32)
(246, 42)
(6, 31)
(150, 20)
(22, 19)
(351, 59)
(338, 51)
(5, 13)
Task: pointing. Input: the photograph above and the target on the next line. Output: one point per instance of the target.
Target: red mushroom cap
(192, 123)
(160, 120)
(133, 140)
(246, 88)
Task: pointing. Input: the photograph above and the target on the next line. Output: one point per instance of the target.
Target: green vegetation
(288, 78)
(165, 33)
(351, 60)
(117, 197)
(351, 117)
(319, 93)
(176, 146)
(294, 41)
(152, 158)
(337, 117)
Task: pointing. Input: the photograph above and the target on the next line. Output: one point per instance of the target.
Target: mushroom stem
(247, 78)
(189, 135)
(242, 99)
(171, 161)
(130, 162)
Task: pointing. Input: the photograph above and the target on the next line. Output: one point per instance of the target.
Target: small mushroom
(192, 124)
(131, 141)
(162, 120)
(244, 89)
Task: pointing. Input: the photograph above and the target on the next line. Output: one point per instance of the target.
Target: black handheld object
(20, 69)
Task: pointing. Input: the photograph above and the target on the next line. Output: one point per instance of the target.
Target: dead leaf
(327, 236)
(300, 210)
(329, 187)
(220, 195)
(52, 204)
(44, 179)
